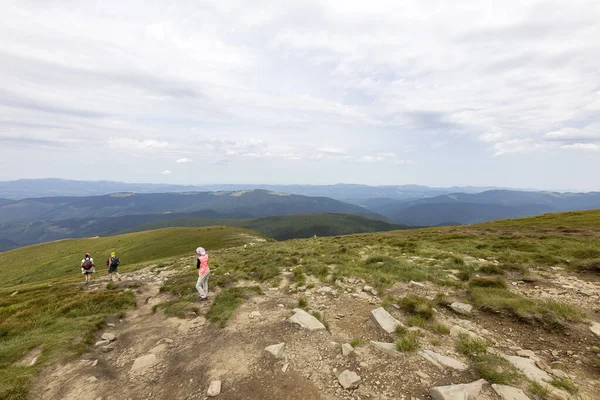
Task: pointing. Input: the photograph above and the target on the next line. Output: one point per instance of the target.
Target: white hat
(201, 251)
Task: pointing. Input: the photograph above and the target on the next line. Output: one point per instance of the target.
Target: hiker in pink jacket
(203, 272)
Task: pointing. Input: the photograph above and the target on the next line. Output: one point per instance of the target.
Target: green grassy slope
(286, 227)
(63, 258)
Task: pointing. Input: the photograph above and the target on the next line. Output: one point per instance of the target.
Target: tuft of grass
(496, 282)
(400, 330)
(303, 303)
(464, 275)
(180, 309)
(491, 269)
(566, 384)
(471, 347)
(417, 306)
(497, 370)
(440, 328)
(539, 391)
(357, 342)
(416, 320)
(227, 301)
(407, 343)
(549, 313)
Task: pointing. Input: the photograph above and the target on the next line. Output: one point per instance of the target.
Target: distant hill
(356, 194)
(256, 203)
(464, 208)
(63, 258)
(23, 233)
(290, 226)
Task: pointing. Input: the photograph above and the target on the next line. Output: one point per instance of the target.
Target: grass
(440, 328)
(407, 343)
(417, 306)
(357, 342)
(549, 313)
(469, 346)
(497, 370)
(60, 259)
(60, 319)
(227, 301)
(495, 282)
(539, 391)
(303, 303)
(565, 384)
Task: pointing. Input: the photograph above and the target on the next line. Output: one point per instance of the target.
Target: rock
(443, 361)
(370, 289)
(458, 331)
(109, 336)
(165, 340)
(158, 349)
(91, 379)
(595, 328)
(305, 320)
(461, 308)
(509, 392)
(255, 314)
(385, 320)
(13, 294)
(528, 367)
(285, 367)
(528, 354)
(214, 389)
(416, 284)
(110, 325)
(422, 375)
(465, 391)
(102, 343)
(276, 350)
(280, 306)
(389, 348)
(325, 290)
(347, 349)
(95, 363)
(349, 379)
(143, 363)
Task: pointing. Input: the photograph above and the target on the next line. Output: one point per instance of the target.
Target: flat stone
(422, 375)
(102, 342)
(13, 294)
(349, 379)
(465, 391)
(91, 379)
(325, 290)
(143, 363)
(305, 320)
(443, 361)
(95, 363)
(276, 350)
(111, 325)
(285, 367)
(347, 349)
(509, 392)
(528, 354)
(385, 320)
(461, 308)
(416, 284)
(595, 328)
(386, 347)
(214, 389)
(158, 349)
(458, 331)
(109, 336)
(165, 340)
(528, 367)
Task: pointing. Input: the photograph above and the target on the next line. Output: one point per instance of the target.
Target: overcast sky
(439, 93)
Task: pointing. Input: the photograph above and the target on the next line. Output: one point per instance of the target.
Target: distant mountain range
(29, 188)
(38, 219)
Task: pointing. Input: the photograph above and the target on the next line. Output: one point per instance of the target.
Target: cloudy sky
(231, 91)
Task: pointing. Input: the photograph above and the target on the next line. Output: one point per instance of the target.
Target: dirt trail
(187, 354)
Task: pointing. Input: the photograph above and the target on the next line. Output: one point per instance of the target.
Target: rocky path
(271, 350)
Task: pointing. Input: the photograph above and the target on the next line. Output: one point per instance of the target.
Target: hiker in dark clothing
(113, 265)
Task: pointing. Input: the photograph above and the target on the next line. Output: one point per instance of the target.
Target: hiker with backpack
(113, 265)
(203, 273)
(87, 267)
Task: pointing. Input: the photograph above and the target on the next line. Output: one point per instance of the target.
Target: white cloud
(183, 160)
(582, 146)
(166, 172)
(590, 133)
(134, 144)
(518, 146)
(332, 150)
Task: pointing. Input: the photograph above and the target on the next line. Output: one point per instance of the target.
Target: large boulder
(461, 308)
(306, 321)
(385, 320)
(443, 361)
(509, 392)
(349, 379)
(276, 350)
(465, 391)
